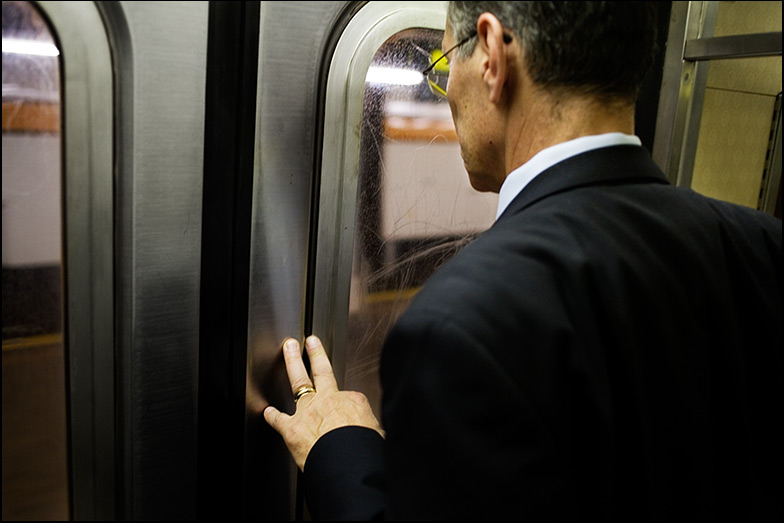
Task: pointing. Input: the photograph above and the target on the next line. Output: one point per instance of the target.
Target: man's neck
(544, 121)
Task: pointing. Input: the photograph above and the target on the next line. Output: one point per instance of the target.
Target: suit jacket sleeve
(344, 476)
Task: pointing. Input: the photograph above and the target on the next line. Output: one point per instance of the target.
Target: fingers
(316, 412)
(295, 368)
(323, 377)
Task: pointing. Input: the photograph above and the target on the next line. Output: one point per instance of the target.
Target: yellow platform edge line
(32, 341)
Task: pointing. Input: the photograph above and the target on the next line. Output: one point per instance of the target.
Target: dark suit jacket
(610, 347)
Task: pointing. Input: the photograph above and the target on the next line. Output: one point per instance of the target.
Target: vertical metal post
(682, 91)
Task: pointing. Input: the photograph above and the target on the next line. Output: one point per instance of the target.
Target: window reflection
(35, 476)
(415, 206)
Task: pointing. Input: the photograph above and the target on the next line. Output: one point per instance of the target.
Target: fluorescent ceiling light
(32, 47)
(393, 76)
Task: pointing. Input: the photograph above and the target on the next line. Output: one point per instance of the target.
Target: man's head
(540, 73)
(597, 48)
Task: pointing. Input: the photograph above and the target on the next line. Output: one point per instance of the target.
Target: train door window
(35, 468)
(413, 207)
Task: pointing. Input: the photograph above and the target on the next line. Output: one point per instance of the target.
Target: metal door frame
(368, 30)
(88, 215)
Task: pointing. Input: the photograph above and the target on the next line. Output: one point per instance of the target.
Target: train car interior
(186, 184)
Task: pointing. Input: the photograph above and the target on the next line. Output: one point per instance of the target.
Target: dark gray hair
(598, 48)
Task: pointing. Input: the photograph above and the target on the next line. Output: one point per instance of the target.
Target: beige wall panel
(734, 18)
(750, 75)
(734, 133)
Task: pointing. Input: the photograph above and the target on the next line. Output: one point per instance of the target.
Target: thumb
(274, 417)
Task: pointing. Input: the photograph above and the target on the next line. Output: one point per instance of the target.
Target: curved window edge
(367, 31)
(87, 131)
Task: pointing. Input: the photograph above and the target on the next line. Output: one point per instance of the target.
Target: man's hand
(317, 412)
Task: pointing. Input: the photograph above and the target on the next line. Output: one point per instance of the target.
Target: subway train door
(58, 324)
(358, 194)
(342, 239)
(394, 201)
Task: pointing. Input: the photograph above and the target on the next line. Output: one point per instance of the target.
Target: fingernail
(312, 342)
(290, 345)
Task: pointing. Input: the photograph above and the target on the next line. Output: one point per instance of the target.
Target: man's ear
(490, 33)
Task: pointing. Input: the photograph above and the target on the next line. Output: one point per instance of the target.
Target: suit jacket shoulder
(571, 340)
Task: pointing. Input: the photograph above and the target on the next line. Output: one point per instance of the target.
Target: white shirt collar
(546, 158)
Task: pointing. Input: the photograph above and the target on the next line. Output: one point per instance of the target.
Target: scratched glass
(415, 206)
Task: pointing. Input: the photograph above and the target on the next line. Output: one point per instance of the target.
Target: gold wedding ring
(305, 389)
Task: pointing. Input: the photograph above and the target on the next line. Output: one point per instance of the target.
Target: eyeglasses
(437, 72)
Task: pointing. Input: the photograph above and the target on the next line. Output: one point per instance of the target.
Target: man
(611, 347)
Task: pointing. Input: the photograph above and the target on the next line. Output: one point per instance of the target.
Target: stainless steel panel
(294, 42)
(682, 91)
(87, 150)
(771, 190)
(740, 46)
(159, 51)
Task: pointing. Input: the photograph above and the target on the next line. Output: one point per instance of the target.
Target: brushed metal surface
(682, 92)
(297, 48)
(736, 46)
(294, 41)
(160, 66)
(88, 216)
